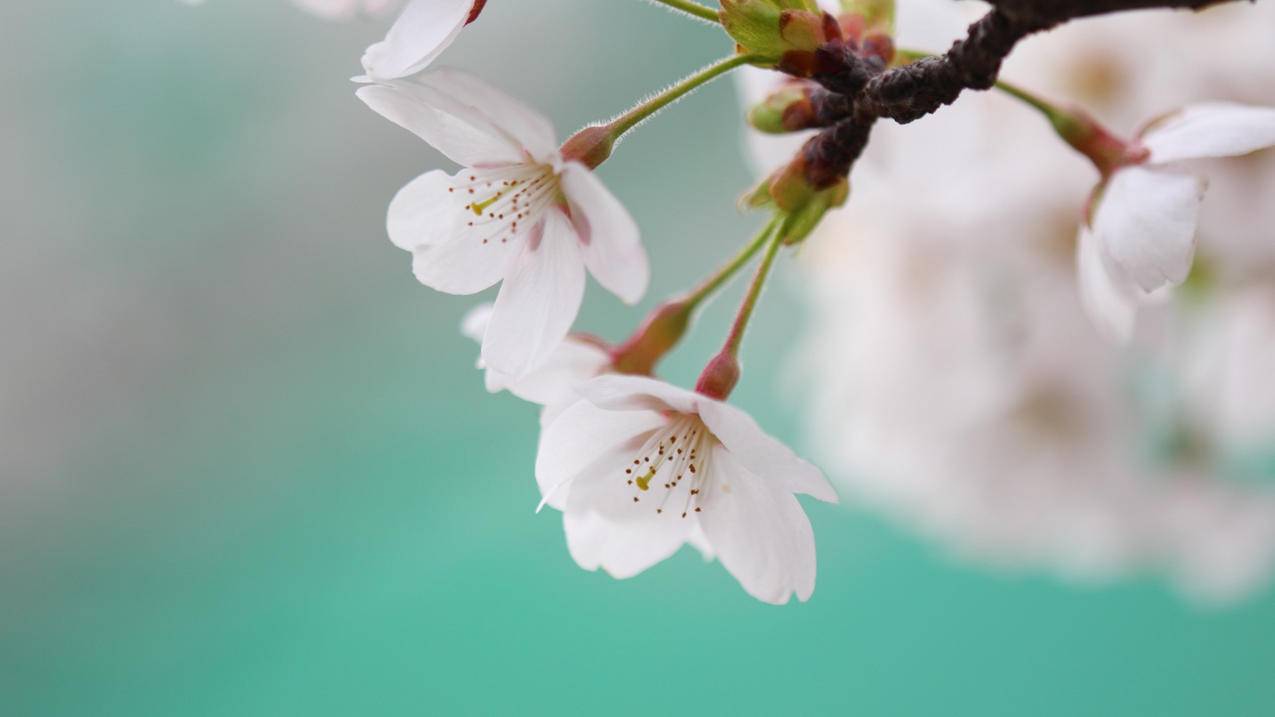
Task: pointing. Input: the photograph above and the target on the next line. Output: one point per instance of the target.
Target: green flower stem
(772, 239)
(691, 8)
(667, 323)
(627, 121)
(728, 270)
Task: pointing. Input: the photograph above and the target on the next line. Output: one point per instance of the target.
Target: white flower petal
(761, 454)
(580, 437)
(760, 532)
(1146, 221)
(538, 301)
(623, 548)
(1111, 305)
(423, 30)
(1216, 129)
(463, 263)
(422, 212)
(458, 130)
(612, 245)
(554, 382)
(631, 393)
(525, 126)
(474, 323)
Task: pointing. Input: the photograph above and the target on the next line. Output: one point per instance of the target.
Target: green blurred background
(248, 468)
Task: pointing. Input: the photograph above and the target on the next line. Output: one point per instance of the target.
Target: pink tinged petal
(538, 301)
(612, 245)
(632, 393)
(423, 30)
(423, 212)
(1146, 221)
(760, 532)
(450, 126)
(761, 454)
(582, 438)
(525, 127)
(623, 548)
(1107, 296)
(1217, 129)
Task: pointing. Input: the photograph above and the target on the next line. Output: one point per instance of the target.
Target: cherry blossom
(1142, 235)
(552, 384)
(638, 466)
(422, 32)
(519, 214)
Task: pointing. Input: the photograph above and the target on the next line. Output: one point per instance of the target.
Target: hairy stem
(645, 109)
(691, 8)
(770, 237)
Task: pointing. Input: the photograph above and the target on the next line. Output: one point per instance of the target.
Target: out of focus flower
(961, 386)
(638, 467)
(518, 214)
(1141, 237)
(551, 385)
(422, 32)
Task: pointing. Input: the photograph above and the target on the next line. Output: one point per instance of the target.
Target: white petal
(538, 301)
(580, 437)
(422, 212)
(761, 454)
(631, 393)
(760, 532)
(623, 548)
(474, 324)
(699, 541)
(1217, 129)
(458, 130)
(1110, 302)
(612, 245)
(463, 263)
(527, 128)
(1146, 222)
(417, 38)
(554, 383)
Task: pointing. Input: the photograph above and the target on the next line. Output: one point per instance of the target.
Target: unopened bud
(868, 17)
(799, 223)
(475, 10)
(719, 376)
(789, 189)
(789, 109)
(772, 28)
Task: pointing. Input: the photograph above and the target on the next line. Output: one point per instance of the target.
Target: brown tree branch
(909, 92)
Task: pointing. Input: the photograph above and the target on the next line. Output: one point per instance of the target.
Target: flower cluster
(638, 467)
(961, 381)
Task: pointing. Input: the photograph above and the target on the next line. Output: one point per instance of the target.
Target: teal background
(248, 468)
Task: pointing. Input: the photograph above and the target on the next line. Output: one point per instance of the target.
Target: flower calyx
(799, 204)
(1106, 150)
(786, 30)
(798, 105)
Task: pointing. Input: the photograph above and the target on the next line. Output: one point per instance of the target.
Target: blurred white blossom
(956, 380)
(640, 467)
(518, 214)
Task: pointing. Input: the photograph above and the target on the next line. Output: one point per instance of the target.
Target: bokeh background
(247, 468)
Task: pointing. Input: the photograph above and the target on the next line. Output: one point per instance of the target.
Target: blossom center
(672, 467)
(504, 203)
